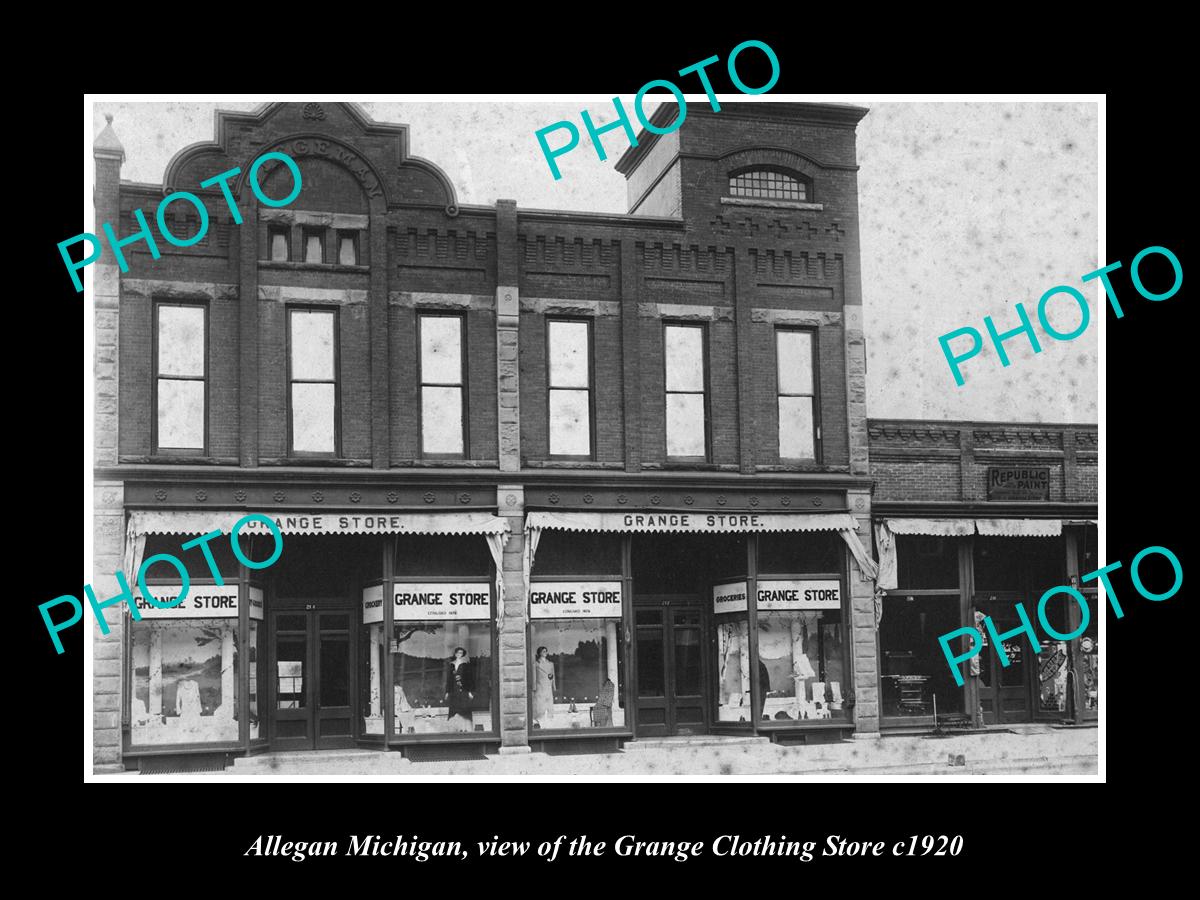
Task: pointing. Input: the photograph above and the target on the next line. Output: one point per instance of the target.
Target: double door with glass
(312, 679)
(670, 674)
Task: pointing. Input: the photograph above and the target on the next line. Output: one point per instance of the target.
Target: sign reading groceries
(779, 595)
(414, 602)
(203, 601)
(575, 600)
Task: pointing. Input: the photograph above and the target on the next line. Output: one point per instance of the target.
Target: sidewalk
(1036, 750)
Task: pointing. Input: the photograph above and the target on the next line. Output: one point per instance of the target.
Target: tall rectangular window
(312, 380)
(314, 245)
(442, 376)
(569, 374)
(180, 370)
(280, 241)
(685, 386)
(348, 248)
(795, 383)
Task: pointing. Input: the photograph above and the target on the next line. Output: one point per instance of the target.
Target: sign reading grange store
(432, 602)
(575, 600)
(779, 595)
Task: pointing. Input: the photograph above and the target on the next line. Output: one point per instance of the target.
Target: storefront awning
(203, 521)
(887, 529)
(697, 523)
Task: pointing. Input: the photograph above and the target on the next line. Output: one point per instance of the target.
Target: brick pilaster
(514, 699)
(864, 631)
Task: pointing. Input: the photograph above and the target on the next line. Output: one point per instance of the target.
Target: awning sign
(782, 595)
(372, 604)
(575, 600)
(729, 598)
(415, 602)
(203, 601)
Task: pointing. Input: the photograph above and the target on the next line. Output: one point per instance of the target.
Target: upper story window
(569, 382)
(767, 184)
(796, 392)
(686, 378)
(280, 242)
(442, 376)
(348, 248)
(312, 381)
(180, 376)
(314, 245)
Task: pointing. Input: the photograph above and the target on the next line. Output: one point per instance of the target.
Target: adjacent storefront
(307, 654)
(652, 625)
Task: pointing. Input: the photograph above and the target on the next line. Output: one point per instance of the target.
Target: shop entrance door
(1004, 692)
(312, 690)
(670, 675)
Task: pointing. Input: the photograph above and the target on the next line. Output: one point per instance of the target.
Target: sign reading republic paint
(442, 600)
(575, 600)
(202, 602)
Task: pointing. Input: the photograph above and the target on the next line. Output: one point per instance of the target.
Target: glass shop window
(801, 666)
(578, 676)
(184, 684)
(280, 243)
(733, 667)
(180, 376)
(569, 376)
(913, 669)
(1089, 653)
(927, 562)
(800, 553)
(796, 393)
(442, 677)
(686, 378)
(348, 248)
(312, 381)
(442, 376)
(314, 245)
(258, 678)
(455, 555)
(577, 553)
(1031, 565)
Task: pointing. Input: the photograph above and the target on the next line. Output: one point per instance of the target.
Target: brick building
(544, 478)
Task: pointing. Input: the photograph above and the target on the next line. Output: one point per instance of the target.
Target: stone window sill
(772, 204)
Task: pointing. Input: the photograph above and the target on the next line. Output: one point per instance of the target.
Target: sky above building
(965, 210)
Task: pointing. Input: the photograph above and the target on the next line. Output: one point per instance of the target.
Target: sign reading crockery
(729, 597)
(575, 599)
(203, 601)
(1018, 482)
(256, 601)
(415, 602)
(372, 604)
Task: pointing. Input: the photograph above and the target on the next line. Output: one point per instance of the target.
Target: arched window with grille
(763, 183)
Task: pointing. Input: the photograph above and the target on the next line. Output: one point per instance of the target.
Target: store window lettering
(147, 600)
(1009, 651)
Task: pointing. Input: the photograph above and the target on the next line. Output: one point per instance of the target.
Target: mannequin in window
(602, 711)
(543, 686)
(459, 690)
(764, 685)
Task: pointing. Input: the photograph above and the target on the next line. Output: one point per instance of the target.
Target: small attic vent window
(767, 184)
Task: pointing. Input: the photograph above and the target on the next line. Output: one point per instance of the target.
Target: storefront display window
(578, 673)
(913, 669)
(442, 677)
(733, 668)
(184, 680)
(1089, 642)
(801, 661)
(256, 663)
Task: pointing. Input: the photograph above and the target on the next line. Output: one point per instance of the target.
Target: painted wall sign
(729, 598)
(203, 601)
(415, 602)
(372, 604)
(1018, 482)
(575, 600)
(780, 595)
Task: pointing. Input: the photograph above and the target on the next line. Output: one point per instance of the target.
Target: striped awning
(366, 522)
